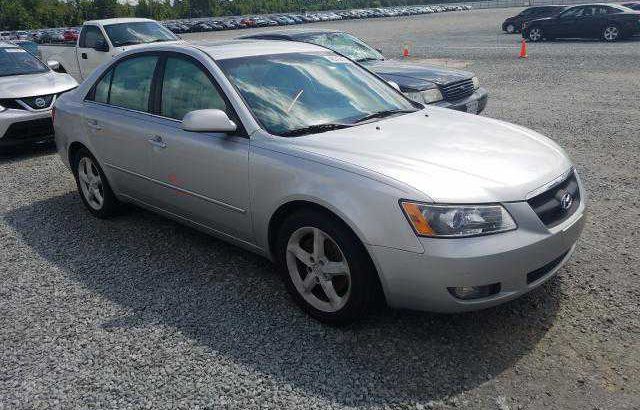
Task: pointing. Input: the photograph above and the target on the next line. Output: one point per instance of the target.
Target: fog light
(474, 292)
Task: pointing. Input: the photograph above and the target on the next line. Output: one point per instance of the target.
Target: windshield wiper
(383, 114)
(314, 129)
(365, 59)
(128, 43)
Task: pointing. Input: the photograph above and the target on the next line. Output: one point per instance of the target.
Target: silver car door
(116, 119)
(201, 176)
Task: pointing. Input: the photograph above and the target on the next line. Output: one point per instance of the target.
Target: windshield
(292, 92)
(17, 61)
(345, 44)
(126, 34)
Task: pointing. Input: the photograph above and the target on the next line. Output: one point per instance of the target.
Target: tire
(611, 33)
(535, 34)
(337, 285)
(510, 28)
(93, 187)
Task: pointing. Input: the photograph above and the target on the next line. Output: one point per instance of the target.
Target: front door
(568, 23)
(93, 50)
(201, 176)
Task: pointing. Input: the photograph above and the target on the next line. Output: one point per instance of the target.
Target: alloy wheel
(535, 34)
(91, 183)
(511, 29)
(611, 33)
(318, 269)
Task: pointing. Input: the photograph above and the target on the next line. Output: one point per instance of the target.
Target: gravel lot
(139, 312)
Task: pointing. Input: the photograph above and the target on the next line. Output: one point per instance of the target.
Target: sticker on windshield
(15, 50)
(337, 59)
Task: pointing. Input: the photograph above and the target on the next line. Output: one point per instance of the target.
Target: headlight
(426, 96)
(2, 108)
(456, 221)
(476, 83)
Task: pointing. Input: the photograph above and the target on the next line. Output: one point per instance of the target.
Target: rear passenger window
(131, 83)
(185, 88)
(101, 93)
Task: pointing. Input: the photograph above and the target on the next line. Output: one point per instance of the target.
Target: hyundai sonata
(303, 156)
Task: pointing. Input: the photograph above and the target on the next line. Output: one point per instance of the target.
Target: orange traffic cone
(405, 51)
(523, 49)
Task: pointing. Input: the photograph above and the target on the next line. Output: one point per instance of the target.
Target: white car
(101, 40)
(28, 89)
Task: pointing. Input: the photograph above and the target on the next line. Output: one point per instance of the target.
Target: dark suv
(514, 24)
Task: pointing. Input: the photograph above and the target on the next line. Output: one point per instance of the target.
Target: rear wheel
(535, 34)
(611, 33)
(510, 29)
(326, 268)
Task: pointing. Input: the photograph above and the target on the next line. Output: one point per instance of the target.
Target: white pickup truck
(101, 40)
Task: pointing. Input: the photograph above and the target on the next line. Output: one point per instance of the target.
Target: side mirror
(53, 64)
(208, 121)
(394, 85)
(101, 45)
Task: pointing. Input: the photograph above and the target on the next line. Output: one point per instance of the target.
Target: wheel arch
(293, 205)
(73, 150)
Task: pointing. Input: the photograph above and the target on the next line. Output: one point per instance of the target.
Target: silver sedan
(298, 154)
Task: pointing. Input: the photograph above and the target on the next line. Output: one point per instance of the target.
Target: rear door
(116, 117)
(568, 23)
(203, 177)
(92, 50)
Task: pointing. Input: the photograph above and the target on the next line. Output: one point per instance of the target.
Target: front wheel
(510, 29)
(326, 268)
(611, 33)
(535, 34)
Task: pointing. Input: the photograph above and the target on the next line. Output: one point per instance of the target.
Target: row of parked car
(609, 22)
(51, 35)
(234, 23)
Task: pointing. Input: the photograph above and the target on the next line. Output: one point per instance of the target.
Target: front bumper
(20, 127)
(473, 104)
(519, 261)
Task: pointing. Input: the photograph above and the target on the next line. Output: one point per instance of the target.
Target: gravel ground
(139, 312)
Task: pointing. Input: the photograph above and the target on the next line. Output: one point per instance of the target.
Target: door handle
(156, 141)
(84, 56)
(94, 125)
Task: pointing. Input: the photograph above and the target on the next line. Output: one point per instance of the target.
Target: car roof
(108, 22)
(223, 50)
(290, 33)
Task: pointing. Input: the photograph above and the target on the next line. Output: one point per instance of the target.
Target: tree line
(34, 14)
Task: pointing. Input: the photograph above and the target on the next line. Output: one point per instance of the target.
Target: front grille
(549, 205)
(27, 130)
(39, 102)
(458, 90)
(540, 272)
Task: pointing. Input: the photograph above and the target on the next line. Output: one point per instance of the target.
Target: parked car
(427, 84)
(633, 5)
(101, 40)
(70, 35)
(609, 22)
(30, 46)
(28, 89)
(514, 24)
(301, 155)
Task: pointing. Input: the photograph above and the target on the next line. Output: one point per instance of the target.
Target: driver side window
(90, 37)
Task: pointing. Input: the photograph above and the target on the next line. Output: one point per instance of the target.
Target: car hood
(31, 85)
(408, 75)
(449, 156)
